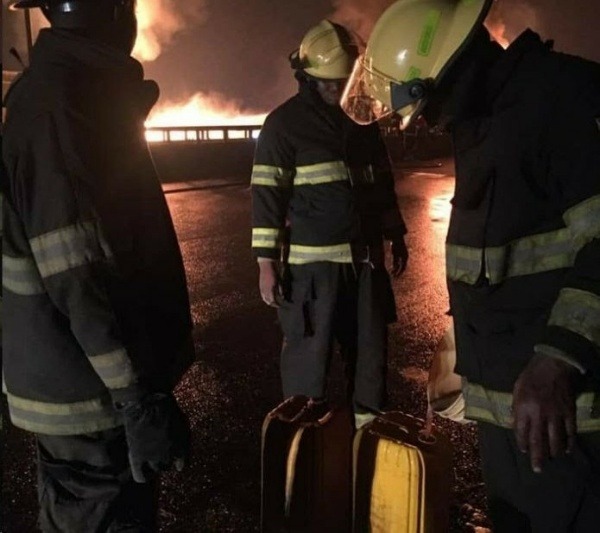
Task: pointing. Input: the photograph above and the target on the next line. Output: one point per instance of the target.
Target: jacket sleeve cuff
(574, 347)
(267, 254)
(555, 353)
(134, 393)
(267, 242)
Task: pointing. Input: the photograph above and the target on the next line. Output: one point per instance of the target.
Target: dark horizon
(239, 51)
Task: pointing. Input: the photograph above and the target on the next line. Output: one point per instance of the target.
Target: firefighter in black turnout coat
(96, 319)
(323, 202)
(523, 246)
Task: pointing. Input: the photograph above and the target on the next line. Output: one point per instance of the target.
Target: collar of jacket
(68, 49)
(112, 67)
(528, 42)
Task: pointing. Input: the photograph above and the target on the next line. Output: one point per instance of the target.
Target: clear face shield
(370, 96)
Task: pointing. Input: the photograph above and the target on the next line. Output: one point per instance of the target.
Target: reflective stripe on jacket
(495, 407)
(523, 244)
(329, 179)
(94, 290)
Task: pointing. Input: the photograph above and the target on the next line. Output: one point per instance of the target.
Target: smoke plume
(358, 15)
(509, 18)
(160, 20)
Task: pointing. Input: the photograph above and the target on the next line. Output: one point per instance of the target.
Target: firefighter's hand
(269, 283)
(399, 256)
(158, 435)
(544, 409)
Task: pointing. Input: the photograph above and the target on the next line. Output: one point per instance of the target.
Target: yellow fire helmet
(411, 47)
(328, 51)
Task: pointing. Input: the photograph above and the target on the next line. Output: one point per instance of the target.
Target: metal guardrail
(201, 134)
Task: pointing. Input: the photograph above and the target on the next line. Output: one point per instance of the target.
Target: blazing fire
(202, 110)
(158, 22)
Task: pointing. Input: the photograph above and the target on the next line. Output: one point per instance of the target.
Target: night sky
(239, 51)
(241, 48)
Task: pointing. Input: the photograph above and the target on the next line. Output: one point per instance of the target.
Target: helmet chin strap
(295, 62)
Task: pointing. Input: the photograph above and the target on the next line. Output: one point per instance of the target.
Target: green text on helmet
(410, 48)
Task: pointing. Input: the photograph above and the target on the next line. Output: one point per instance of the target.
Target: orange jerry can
(402, 477)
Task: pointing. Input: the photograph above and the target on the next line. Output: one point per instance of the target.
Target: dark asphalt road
(235, 380)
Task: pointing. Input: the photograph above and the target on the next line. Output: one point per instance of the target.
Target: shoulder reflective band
(21, 276)
(69, 247)
(579, 312)
(530, 255)
(495, 407)
(300, 255)
(583, 220)
(270, 176)
(266, 237)
(329, 172)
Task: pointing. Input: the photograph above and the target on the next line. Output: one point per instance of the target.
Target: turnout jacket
(523, 246)
(328, 179)
(95, 296)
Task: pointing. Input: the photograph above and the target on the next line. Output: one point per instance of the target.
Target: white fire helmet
(327, 51)
(411, 47)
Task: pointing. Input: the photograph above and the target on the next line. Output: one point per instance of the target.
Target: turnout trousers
(564, 498)
(85, 486)
(325, 302)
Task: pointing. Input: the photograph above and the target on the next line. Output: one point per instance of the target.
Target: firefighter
(97, 327)
(523, 245)
(323, 202)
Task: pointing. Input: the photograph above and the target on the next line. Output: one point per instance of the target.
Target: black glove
(158, 434)
(399, 255)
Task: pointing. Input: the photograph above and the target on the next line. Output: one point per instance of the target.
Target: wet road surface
(235, 381)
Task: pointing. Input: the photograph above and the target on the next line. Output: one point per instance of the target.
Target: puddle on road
(429, 175)
(439, 208)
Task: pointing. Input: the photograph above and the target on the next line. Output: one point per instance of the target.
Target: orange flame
(498, 32)
(203, 110)
(158, 22)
